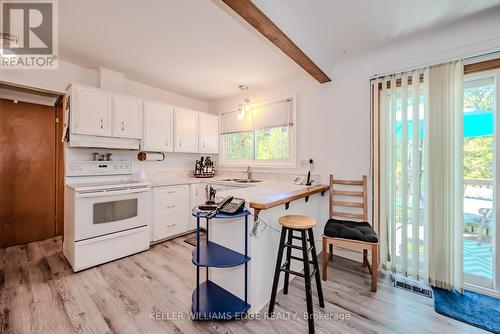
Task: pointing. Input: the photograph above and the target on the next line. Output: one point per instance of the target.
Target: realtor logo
(29, 34)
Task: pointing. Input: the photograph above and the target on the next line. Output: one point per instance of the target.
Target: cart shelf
(217, 303)
(215, 255)
(210, 301)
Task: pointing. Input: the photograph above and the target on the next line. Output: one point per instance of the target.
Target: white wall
(50, 80)
(333, 120)
(173, 161)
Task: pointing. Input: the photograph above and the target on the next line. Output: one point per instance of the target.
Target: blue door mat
(472, 308)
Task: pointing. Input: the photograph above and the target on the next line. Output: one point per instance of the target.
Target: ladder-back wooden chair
(349, 228)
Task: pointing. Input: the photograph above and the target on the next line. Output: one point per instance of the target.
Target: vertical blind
(418, 160)
(259, 116)
(400, 115)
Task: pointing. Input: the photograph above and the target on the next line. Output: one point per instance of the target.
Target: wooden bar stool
(304, 225)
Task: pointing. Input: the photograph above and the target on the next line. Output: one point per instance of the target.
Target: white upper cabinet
(186, 130)
(127, 117)
(158, 127)
(209, 133)
(92, 114)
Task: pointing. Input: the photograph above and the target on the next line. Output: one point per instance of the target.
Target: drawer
(95, 251)
(171, 200)
(168, 226)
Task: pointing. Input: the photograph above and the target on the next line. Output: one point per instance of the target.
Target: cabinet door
(158, 127)
(127, 117)
(170, 200)
(92, 112)
(197, 198)
(170, 211)
(186, 130)
(169, 226)
(209, 133)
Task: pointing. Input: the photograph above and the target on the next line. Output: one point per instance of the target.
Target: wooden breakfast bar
(287, 198)
(268, 200)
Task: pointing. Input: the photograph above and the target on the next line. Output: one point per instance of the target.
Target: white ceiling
(191, 47)
(330, 31)
(196, 48)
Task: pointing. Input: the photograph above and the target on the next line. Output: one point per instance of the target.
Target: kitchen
(181, 164)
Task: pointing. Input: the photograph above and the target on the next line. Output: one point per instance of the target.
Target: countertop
(259, 196)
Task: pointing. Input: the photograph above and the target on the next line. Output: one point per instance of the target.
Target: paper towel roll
(150, 156)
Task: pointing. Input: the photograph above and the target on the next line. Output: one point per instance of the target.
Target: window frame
(473, 282)
(291, 162)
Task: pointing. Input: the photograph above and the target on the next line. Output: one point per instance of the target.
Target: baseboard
(481, 290)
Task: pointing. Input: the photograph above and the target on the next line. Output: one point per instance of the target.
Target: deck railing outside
(478, 228)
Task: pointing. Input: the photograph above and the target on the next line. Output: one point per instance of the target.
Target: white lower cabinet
(171, 211)
(197, 198)
(172, 207)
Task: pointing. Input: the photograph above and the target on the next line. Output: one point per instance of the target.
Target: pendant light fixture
(245, 106)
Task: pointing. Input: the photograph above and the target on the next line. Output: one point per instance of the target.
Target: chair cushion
(351, 230)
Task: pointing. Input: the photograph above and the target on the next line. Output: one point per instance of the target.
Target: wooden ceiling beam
(257, 19)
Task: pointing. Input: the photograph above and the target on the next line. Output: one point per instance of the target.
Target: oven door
(104, 212)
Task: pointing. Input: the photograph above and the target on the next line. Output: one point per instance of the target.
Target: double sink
(242, 180)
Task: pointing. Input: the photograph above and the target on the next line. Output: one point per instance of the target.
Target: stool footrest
(293, 272)
(299, 238)
(313, 273)
(296, 273)
(286, 244)
(296, 258)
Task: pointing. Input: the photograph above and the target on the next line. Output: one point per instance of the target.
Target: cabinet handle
(102, 123)
(180, 142)
(123, 126)
(171, 192)
(166, 142)
(171, 225)
(202, 144)
(170, 206)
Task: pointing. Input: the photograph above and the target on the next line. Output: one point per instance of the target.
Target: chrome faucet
(249, 173)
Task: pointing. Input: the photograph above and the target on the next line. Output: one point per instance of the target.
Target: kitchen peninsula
(268, 201)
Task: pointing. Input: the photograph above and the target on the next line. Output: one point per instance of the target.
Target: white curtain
(444, 168)
(398, 117)
(259, 116)
(417, 158)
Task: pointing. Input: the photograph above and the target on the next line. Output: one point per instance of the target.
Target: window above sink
(262, 134)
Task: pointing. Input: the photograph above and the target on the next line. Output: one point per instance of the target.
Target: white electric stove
(107, 214)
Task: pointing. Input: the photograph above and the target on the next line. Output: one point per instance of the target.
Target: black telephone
(231, 205)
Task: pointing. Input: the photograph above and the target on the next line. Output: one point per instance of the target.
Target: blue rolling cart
(211, 301)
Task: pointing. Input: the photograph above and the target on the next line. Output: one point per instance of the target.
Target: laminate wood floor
(148, 293)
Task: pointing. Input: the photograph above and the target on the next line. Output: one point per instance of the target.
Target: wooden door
(127, 117)
(158, 127)
(27, 172)
(209, 133)
(186, 130)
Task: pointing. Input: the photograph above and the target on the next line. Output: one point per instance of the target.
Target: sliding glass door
(481, 163)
